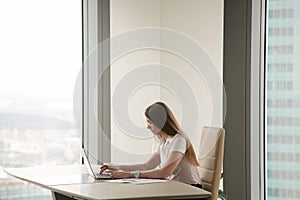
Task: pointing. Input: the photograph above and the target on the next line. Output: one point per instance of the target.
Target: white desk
(73, 182)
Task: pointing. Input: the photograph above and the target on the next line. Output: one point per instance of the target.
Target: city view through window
(283, 100)
(41, 53)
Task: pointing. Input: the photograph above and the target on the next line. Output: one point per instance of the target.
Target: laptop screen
(87, 163)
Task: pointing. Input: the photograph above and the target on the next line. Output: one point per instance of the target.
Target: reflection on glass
(283, 100)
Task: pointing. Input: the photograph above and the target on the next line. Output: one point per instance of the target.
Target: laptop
(104, 175)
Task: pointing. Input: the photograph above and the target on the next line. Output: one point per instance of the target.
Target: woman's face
(152, 127)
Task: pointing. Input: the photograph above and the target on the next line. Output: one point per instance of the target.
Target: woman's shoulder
(178, 143)
(178, 136)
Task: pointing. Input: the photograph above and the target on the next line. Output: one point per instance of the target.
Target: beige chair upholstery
(211, 159)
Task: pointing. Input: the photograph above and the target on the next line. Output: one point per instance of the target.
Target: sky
(40, 47)
(40, 52)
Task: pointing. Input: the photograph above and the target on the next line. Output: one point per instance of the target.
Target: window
(281, 49)
(280, 67)
(281, 13)
(280, 103)
(40, 60)
(281, 31)
(282, 100)
(283, 121)
(280, 85)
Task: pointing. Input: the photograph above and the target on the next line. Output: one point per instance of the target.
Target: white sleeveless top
(184, 172)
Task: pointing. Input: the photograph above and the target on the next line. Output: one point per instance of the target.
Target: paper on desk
(136, 180)
(145, 181)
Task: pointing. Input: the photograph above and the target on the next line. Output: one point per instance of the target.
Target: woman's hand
(109, 166)
(120, 174)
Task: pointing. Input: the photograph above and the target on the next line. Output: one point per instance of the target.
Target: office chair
(210, 159)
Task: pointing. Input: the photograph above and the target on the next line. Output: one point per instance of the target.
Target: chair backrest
(210, 158)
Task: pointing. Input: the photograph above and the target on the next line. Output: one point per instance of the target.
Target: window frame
(258, 62)
(244, 57)
(96, 124)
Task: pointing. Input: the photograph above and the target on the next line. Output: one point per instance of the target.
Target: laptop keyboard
(104, 175)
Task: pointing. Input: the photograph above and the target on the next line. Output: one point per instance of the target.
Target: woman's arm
(164, 172)
(151, 163)
(167, 169)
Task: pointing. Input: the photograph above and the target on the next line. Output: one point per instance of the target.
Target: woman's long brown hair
(162, 117)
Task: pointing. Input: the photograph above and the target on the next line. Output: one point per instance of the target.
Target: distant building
(14, 189)
(283, 100)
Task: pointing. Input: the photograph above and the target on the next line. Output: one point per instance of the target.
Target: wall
(200, 21)
(126, 15)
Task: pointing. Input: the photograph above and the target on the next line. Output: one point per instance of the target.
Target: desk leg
(57, 196)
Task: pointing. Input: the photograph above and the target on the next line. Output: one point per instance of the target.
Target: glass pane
(283, 100)
(40, 59)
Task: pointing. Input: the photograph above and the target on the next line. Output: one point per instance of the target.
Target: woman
(175, 153)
